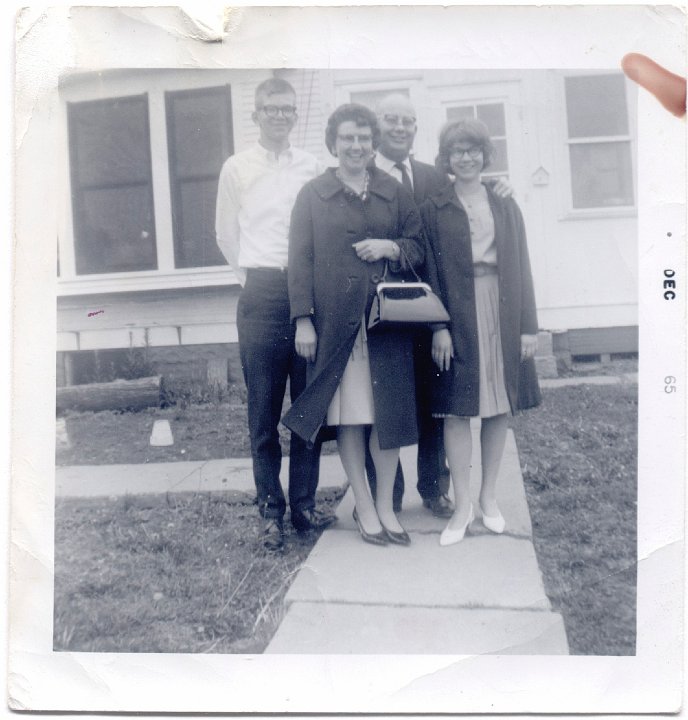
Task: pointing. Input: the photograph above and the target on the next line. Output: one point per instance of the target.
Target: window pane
(596, 105)
(116, 231)
(110, 141)
(493, 117)
(198, 247)
(601, 175)
(112, 197)
(460, 113)
(199, 132)
(199, 140)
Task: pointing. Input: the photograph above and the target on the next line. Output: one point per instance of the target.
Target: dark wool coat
(449, 266)
(328, 282)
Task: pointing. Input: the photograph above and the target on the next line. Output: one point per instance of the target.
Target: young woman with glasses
(477, 261)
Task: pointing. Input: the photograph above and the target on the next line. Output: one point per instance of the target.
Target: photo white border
(594, 36)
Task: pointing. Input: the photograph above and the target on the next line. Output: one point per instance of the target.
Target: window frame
(568, 211)
(507, 91)
(97, 85)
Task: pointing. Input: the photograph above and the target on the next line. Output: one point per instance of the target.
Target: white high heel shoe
(451, 537)
(494, 523)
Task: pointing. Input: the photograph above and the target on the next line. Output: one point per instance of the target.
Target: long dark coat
(328, 282)
(449, 265)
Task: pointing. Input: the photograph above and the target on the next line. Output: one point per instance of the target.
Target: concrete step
(337, 628)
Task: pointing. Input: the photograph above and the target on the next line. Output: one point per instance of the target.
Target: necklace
(361, 191)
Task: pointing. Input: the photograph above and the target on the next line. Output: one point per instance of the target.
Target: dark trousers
(268, 359)
(433, 476)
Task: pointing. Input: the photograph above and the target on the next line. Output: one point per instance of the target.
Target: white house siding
(584, 263)
(309, 132)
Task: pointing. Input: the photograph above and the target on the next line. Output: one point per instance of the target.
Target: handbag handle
(402, 252)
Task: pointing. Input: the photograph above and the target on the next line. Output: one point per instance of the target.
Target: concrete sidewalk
(234, 474)
(484, 595)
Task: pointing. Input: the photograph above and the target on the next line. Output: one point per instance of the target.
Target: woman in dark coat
(477, 261)
(346, 226)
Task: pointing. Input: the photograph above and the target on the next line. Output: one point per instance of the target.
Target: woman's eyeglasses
(363, 139)
(272, 111)
(473, 152)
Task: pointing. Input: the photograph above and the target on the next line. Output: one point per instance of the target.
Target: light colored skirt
(352, 402)
(493, 397)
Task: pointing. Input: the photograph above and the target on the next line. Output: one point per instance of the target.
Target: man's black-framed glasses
(272, 111)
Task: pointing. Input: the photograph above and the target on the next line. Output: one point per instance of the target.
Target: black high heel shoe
(372, 538)
(397, 538)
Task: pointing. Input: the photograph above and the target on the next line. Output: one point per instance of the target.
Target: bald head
(396, 103)
(397, 118)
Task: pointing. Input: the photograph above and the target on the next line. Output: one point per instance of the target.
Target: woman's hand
(372, 250)
(442, 348)
(528, 346)
(306, 339)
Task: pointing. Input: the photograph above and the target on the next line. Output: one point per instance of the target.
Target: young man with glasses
(256, 192)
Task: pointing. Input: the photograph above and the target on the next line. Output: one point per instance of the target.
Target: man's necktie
(405, 179)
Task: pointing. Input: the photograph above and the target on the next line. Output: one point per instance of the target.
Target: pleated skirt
(352, 402)
(493, 397)
(492, 391)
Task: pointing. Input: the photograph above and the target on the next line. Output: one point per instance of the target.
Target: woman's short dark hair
(467, 130)
(360, 114)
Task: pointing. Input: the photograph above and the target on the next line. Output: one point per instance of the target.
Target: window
(493, 115)
(599, 141)
(199, 137)
(112, 197)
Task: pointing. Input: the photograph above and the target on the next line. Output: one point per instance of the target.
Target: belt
(480, 269)
(267, 269)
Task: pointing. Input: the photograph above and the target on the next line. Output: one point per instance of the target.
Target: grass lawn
(202, 431)
(177, 573)
(184, 573)
(578, 455)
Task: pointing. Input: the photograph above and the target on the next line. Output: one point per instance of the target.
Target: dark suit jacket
(427, 181)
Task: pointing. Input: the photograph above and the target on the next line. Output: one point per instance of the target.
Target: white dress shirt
(255, 197)
(389, 166)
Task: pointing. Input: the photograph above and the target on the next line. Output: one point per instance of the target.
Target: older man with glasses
(256, 194)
